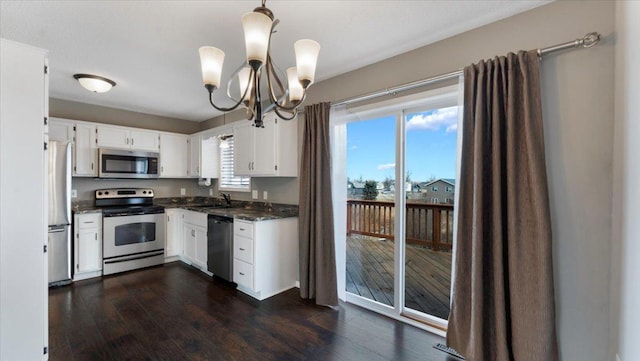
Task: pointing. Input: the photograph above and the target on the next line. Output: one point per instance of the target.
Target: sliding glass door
(371, 150)
(400, 168)
(430, 168)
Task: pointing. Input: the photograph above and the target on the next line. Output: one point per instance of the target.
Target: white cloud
(354, 147)
(445, 117)
(386, 166)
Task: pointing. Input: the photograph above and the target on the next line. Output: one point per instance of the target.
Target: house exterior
(439, 191)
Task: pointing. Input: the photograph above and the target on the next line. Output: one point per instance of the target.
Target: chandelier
(258, 27)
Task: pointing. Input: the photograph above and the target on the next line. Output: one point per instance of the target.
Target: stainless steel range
(133, 229)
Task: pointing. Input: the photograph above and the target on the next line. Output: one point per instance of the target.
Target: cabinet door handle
(242, 229)
(193, 233)
(242, 249)
(91, 165)
(168, 219)
(241, 274)
(249, 166)
(198, 169)
(127, 140)
(96, 236)
(162, 169)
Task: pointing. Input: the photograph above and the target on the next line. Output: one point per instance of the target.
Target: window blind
(227, 179)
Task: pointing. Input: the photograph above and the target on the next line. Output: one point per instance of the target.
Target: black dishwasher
(220, 246)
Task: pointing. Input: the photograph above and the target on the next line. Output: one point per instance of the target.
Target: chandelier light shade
(295, 88)
(286, 91)
(95, 83)
(257, 31)
(211, 59)
(306, 58)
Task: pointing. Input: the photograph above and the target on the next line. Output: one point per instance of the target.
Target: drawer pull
(242, 249)
(242, 229)
(241, 274)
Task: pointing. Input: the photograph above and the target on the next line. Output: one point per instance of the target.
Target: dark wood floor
(174, 312)
(427, 274)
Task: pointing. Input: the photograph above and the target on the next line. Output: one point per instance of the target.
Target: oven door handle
(134, 257)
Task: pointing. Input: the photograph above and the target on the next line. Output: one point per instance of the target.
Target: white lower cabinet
(189, 239)
(174, 218)
(194, 233)
(87, 245)
(265, 256)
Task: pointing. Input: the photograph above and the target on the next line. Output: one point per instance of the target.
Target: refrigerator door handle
(57, 229)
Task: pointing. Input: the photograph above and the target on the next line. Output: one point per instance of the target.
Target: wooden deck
(428, 274)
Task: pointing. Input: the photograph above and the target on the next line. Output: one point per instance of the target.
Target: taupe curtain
(317, 248)
(502, 301)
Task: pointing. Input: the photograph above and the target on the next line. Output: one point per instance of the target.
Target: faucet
(227, 199)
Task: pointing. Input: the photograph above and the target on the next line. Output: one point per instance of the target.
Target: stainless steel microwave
(116, 163)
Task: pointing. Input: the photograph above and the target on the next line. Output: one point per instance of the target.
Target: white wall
(625, 284)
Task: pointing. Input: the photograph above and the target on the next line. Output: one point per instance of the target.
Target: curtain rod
(587, 41)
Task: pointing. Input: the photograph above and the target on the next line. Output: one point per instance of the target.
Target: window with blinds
(229, 181)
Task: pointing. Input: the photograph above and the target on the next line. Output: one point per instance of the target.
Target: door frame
(431, 99)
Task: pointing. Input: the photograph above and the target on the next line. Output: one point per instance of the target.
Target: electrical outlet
(210, 192)
(183, 191)
(254, 194)
(74, 193)
(264, 195)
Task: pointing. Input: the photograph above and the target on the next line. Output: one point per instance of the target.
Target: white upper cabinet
(210, 157)
(271, 151)
(113, 137)
(85, 159)
(204, 156)
(242, 148)
(82, 135)
(126, 138)
(195, 146)
(60, 130)
(173, 155)
(264, 153)
(145, 140)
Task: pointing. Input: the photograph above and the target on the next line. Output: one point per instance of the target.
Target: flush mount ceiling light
(94, 83)
(258, 27)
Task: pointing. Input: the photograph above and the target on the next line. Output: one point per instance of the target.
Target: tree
(370, 191)
(387, 184)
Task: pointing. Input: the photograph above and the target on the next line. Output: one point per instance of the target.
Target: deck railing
(429, 225)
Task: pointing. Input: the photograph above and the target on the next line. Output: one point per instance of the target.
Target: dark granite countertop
(249, 214)
(250, 211)
(81, 207)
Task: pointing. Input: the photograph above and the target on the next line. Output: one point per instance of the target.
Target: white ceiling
(150, 48)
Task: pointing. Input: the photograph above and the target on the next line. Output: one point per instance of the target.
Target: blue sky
(430, 140)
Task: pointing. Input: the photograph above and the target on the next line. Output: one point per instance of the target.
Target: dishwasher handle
(220, 219)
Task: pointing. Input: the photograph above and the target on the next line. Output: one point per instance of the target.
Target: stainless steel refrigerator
(59, 180)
